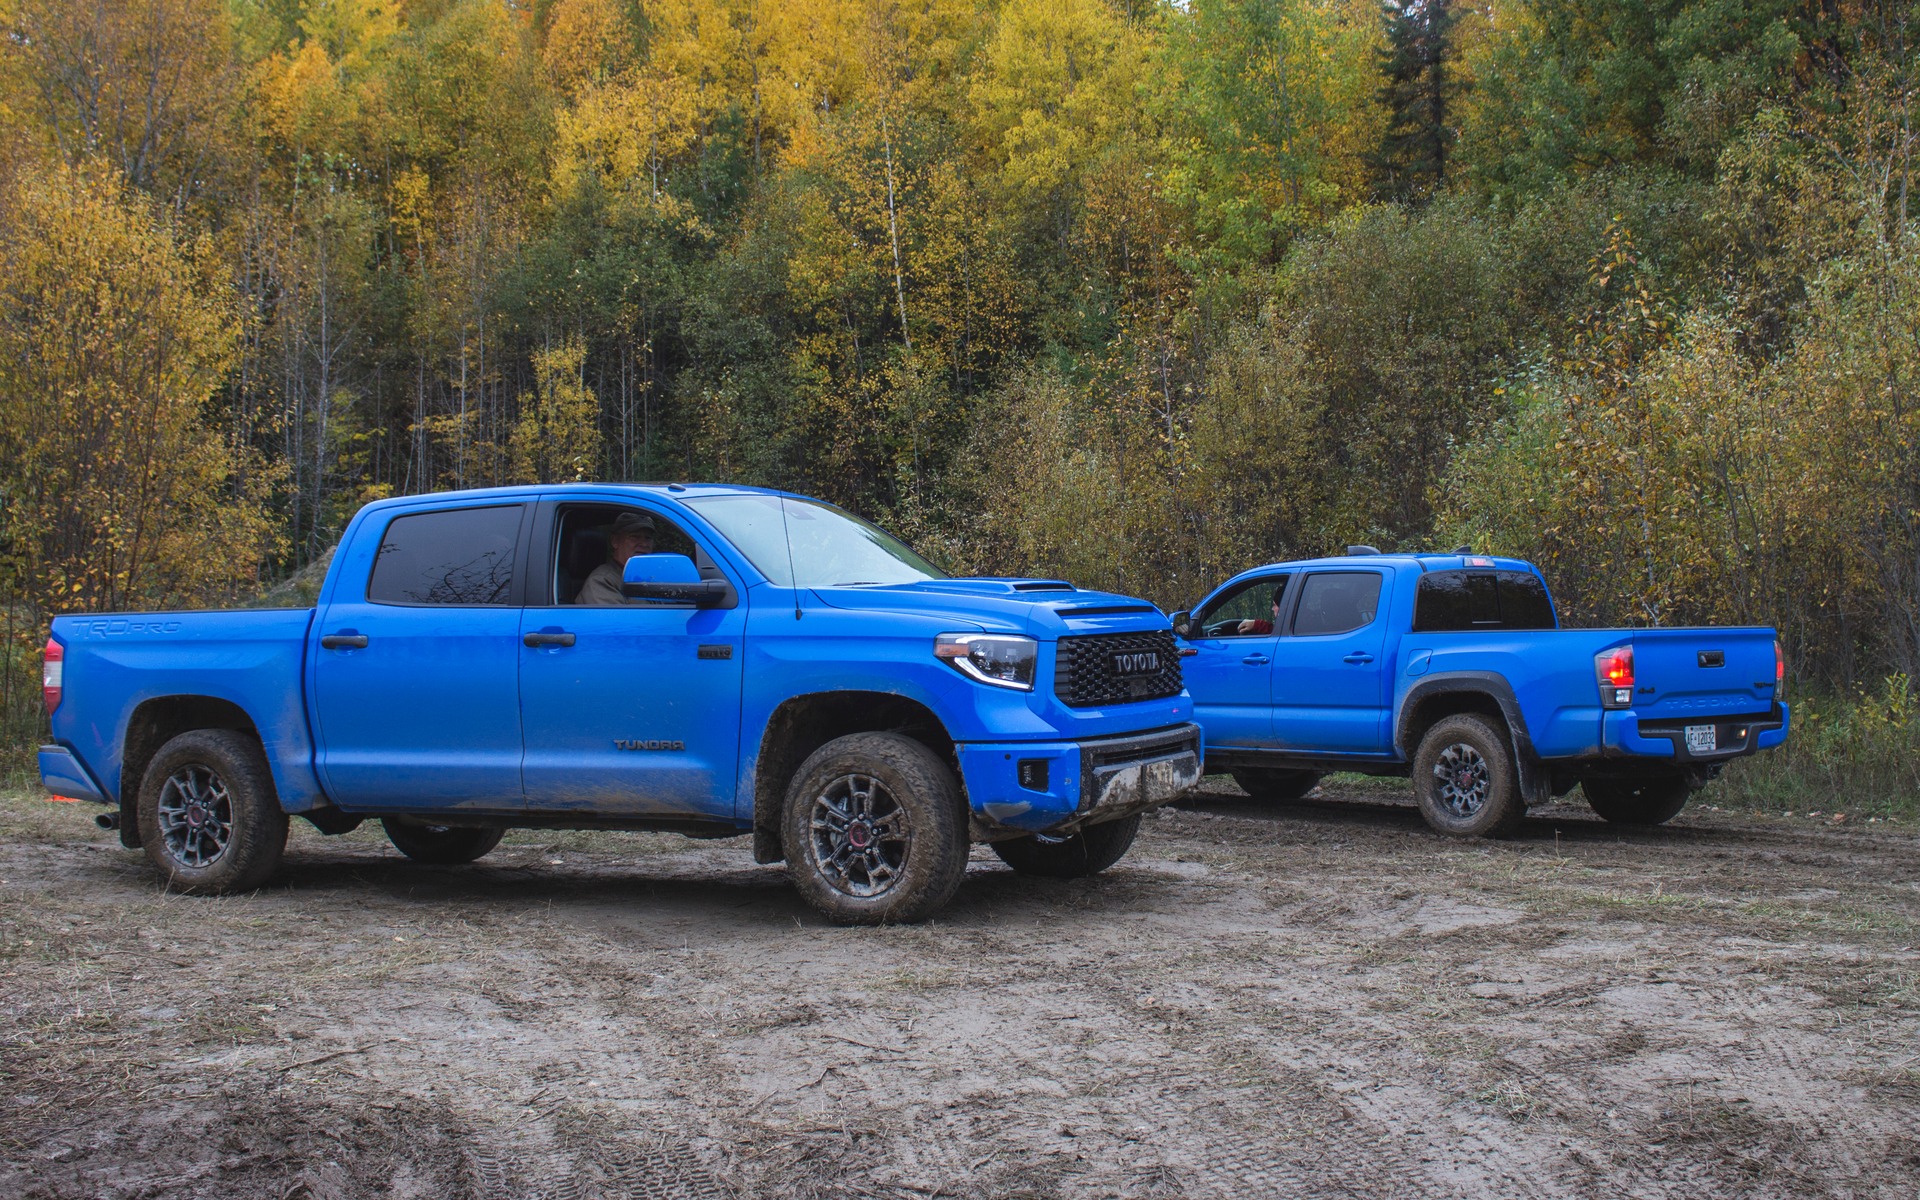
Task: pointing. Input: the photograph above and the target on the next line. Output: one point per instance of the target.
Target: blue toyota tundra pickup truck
(1453, 668)
(714, 660)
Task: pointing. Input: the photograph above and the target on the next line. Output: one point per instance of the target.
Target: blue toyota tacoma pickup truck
(1453, 668)
(714, 660)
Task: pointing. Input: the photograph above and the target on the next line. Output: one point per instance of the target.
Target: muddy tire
(1088, 852)
(208, 813)
(441, 845)
(1275, 784)
(1465, 780)
(875, 830)
(1651, 801)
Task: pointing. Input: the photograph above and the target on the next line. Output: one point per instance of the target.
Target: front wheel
(1651, 801)
(209, 817)
(441, 845)
(1088, 852)
(875, 830)
(1275, 783)
(1464, 778)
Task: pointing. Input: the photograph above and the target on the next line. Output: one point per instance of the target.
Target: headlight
(1001, 659)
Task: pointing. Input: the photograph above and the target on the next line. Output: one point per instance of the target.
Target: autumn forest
(1135, 292)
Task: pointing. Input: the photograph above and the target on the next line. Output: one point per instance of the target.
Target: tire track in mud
(648, 1163)
(1263, 1128)
(583, 1154)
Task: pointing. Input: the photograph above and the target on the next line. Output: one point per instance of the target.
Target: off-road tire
(440, 845)
(203, 784)
(1651, 801)
(917, 837)
(1275, 784)
(1485, 801)
(1088, 852)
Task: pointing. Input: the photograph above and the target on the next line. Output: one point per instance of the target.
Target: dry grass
(1324, 999)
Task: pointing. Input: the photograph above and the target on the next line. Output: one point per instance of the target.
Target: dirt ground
(1322, 999)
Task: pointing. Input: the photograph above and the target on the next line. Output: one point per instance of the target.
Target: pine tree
(1411, 163)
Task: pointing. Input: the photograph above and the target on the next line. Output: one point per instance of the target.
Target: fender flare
(1535, 781)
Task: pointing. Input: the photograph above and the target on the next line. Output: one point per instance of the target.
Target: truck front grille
(1116, 668)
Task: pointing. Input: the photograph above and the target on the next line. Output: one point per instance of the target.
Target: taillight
(53, 670)
(1779, 669)
(1613, 671)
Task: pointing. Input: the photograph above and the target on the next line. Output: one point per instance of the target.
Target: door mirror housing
(670, 577)
(1182, 622)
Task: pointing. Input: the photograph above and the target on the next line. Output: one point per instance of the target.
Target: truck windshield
(829, 548)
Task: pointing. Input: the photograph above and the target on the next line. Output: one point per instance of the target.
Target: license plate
(1703, 739)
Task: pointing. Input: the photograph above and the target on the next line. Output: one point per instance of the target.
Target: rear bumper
(1625, 735)
(1059, 787)
(63, 774)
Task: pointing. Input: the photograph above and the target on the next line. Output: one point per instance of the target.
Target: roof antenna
(1353, 550)
(793, 577)
(1463, 549)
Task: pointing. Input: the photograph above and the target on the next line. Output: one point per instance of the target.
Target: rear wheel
(875, 830)
(441, 845)
(1651, 801)
(1274, 783)
(1088, 852)
(1464, 778)
(209, 817)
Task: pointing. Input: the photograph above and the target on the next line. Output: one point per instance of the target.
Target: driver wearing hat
(631, 533)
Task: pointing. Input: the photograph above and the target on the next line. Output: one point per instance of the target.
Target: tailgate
(1702, 672)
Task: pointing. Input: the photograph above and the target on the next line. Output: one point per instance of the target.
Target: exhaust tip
(107, 820)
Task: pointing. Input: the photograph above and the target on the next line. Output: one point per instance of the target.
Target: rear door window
(1337, 602)
(459, 557)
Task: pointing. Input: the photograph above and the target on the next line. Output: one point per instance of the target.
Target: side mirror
(670, 577)
(1182, 622)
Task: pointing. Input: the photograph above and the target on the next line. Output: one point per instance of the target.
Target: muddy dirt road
(1320, 1000)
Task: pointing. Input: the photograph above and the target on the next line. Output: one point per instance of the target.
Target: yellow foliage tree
(557, 439)
(113, 338)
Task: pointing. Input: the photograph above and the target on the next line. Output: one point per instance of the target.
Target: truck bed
(1552, 676)
(250, 658)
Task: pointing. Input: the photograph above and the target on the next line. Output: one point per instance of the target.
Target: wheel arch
(803, 724)
(1486, 693)
(154, 723)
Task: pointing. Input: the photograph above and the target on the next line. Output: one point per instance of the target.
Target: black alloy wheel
(1465, 780)
(208, 815)
(875, 830)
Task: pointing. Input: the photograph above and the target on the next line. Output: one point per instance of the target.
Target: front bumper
(1058, 788)
(63, 774)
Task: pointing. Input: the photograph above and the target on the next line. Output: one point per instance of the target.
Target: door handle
(537, 640)
(1256, 660)
(1358, 657)
(344, 641)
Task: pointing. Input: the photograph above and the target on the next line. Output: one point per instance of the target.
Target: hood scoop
(982, 586)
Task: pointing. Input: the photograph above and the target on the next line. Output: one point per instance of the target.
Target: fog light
(1033, 774)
